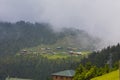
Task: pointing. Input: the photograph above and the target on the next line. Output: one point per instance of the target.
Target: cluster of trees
(20, 35)
(90, 71)
(33, 67)
(101, 62)
(100, 58)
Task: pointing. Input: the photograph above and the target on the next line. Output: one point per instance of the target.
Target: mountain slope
(20, 35)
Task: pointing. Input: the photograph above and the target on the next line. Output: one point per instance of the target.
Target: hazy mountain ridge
(19, 35)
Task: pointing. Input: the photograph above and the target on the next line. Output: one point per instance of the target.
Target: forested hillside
(20, 35)
(34, 37)
(101, 63)
(111, 54)
(34, 67)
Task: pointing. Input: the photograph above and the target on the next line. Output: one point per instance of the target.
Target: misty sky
(99, 17)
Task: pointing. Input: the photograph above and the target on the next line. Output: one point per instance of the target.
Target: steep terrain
(17, 36)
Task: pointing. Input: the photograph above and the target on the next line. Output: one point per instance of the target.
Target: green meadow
(110, 76)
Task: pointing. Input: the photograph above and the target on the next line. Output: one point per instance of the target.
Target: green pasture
(110, 76)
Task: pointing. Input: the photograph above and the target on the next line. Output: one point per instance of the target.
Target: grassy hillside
(54, 51)
(110, 76)
(20, 35)
(62, 55)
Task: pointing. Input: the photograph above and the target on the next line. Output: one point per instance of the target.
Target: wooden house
(63, 75)
(23, 52)
(75, 53)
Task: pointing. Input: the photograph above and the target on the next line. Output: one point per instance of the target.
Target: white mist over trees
(98, 17)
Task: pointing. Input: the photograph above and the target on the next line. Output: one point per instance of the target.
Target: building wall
(61, 78)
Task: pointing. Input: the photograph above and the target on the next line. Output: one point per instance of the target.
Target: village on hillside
(53, 51)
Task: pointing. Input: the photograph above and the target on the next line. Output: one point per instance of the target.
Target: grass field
(110, 76)
(55, 56)
(63, 55)
(50, 52)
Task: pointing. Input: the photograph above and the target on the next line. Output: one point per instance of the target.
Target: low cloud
(100, 18)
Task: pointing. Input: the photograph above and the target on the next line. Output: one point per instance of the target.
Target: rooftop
(68, 73)
(16, 79)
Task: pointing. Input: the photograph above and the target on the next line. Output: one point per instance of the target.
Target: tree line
(33, 67)
(98, 63)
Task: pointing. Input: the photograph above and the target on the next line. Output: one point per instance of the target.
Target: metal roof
(68, 73)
